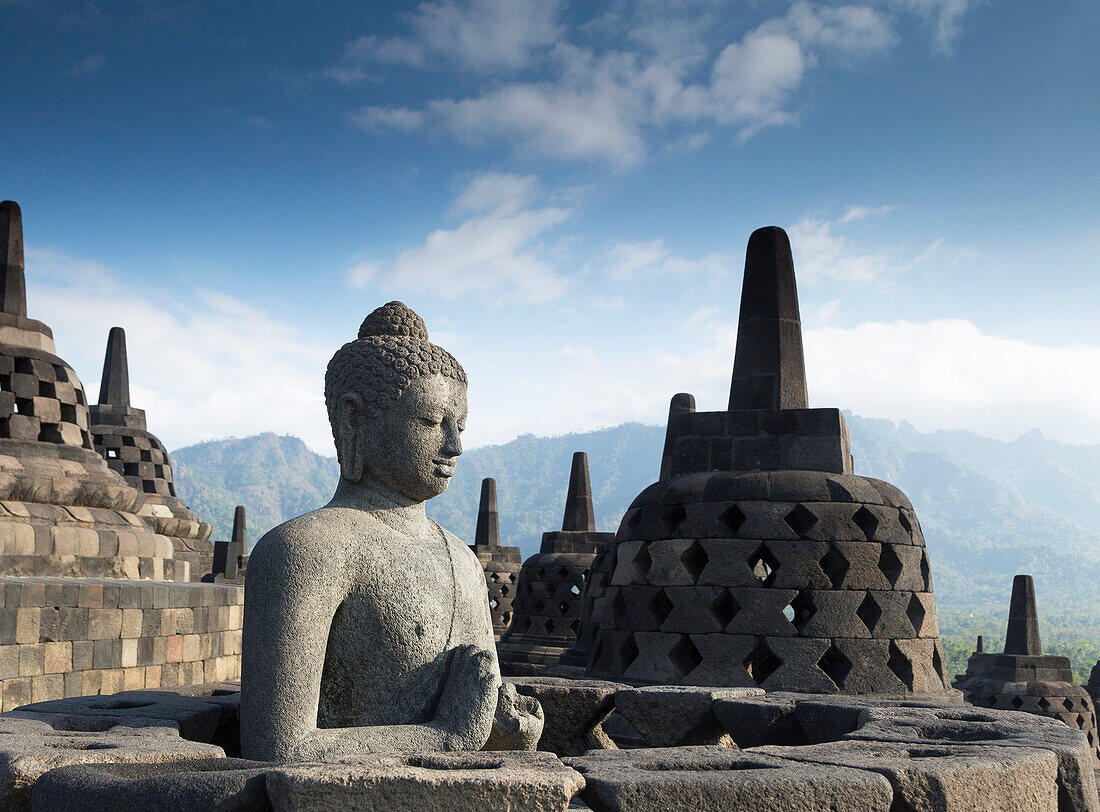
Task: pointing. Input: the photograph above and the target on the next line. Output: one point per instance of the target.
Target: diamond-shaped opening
(538, 605)
(991, 700)
(563, 607)
(763, 565)
(925, 572)
(540, 573)
(724, 607)
(494, 577)
(632, 519)
(1067, 703)
(493, 604)
(504, 590)
(1017, 702)
(869, 612)
(574, 626)
(563, 573)
(835, 665)
(866, 521)
(889, 564)
(660, 607)
(1044, 703)
(915, 611)
(905, 523)
(684, 656)
(801, 519)
(642, 562)
(527, 623)
(506, 618)
(672, 515)
(618, 607)
(576, 590)
(732, 517)
(802, 609)
(937, 661)
(900, 665)
(835, 566)
(761, 662)
(694, 559)
(628, 653)
(548, 624)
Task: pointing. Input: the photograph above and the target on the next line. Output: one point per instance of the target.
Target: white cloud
(626, 260)
(821, 253)
(855, 213)
(497, 252)
(213, 368)
(943, 16)
(380, 119)
(478, 35)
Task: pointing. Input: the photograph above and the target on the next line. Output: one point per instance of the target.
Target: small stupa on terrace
(120, 435)
(501, 564)
(759, 558)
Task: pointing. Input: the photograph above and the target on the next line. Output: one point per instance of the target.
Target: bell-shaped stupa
(120, 435)
(550, 592)
(501, 564)
(65, 512)
(1025, 679)
(758, 558)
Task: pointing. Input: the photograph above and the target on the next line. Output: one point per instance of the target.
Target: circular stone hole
(120, 704)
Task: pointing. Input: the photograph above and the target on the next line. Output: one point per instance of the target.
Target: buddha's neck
(369, 494)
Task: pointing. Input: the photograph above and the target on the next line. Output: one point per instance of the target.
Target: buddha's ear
(349, 448)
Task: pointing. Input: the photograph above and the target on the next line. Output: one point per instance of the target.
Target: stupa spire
(13, 285)
(487, 533)
(768, 368)
(579, 515)
(114, 388)
(1023, 619)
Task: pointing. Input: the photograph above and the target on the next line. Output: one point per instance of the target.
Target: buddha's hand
(465, 712)
(517, 724)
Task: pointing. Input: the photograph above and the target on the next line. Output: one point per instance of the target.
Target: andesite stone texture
(759, 558)
(552, 583)
(1025, 679)
(230, 562)
(501, 564)
(366, 625)
(120, 435)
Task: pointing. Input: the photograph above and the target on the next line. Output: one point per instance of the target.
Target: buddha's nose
(452, 444)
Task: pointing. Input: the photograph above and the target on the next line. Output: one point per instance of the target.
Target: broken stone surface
(677, 715)
(224, 784)
(440, 782)
(30, 747)
(709, 779)
(366, 625)
(574, 712)
(518, 722)
(946, 776)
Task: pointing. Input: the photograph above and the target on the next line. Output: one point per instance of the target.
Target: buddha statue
(367, 625)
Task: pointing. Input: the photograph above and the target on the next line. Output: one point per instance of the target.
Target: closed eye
(429, 421)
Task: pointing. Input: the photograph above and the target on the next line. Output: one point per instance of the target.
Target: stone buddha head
(397, 405)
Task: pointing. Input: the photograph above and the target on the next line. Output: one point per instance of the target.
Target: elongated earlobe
(349, 446)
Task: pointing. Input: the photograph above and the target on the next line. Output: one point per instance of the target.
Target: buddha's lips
(444, 468)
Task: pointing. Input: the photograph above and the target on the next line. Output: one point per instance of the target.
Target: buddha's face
(412, 447)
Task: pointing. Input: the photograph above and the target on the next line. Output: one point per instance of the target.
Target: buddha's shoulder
(322, 538)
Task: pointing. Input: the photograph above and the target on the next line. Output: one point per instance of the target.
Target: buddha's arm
(290, 600)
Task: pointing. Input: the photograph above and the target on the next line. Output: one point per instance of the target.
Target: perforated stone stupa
(120, 435)
(1025, 679)
(550, 592)
(758, 558)
(501, 564)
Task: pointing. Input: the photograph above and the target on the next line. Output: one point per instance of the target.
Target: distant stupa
(501, 564)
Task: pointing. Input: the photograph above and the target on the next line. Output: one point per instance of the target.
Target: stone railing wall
(63, 637)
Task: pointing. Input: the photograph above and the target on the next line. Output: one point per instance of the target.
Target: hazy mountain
(989, 509)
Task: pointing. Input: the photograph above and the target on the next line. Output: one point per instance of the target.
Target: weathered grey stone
(946, 777)
(677, 715)
(501, 564)
(1023, 619)
(754, 721)
(574, 711)
(366, 625)
(30, 747)
(709, 779)
(518, 722)
(443, 782)
(224, 784)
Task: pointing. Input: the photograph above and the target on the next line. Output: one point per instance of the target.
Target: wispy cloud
(89, 64)
(633, 74)
(626, 260)
(498, 251)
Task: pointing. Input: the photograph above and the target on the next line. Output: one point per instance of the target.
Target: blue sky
(564, 192)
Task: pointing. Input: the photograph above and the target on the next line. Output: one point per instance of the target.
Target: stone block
(574, 711)
(57, 658)
(671, 716)
(714, 779)
(447, 782)
(104, 624)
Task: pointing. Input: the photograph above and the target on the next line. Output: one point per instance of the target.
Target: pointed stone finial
(13, 285)
(240, 534)
(768, 368)
(114, 387)
(487, 533)
(1023, 619)
(579, 515)
(981, 645)
(682, 403)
